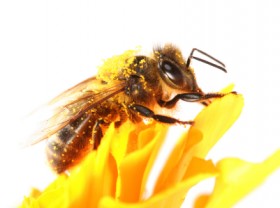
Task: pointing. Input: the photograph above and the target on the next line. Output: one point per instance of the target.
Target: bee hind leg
(146, 112)
(97, 134)
(122, 119)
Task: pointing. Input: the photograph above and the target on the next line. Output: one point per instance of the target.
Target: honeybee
(131, 92)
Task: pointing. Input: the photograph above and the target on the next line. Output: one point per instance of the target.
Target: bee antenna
(221, 66)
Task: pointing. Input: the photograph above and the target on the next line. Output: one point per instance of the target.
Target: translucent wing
(74, 102)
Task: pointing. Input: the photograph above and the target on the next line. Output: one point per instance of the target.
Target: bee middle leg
(192, 97)
(146, 112)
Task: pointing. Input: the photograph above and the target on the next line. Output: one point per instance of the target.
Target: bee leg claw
(146, 112)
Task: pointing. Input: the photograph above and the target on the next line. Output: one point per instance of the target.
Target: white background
(48, 46)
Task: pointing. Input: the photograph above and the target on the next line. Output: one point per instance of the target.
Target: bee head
(173, 69)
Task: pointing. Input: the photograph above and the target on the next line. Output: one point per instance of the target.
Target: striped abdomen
(70, 144)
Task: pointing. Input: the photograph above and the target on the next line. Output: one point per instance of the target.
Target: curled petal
(237, 178)
(171, 197)
(214, 121)
(210, 125)
(133, 167)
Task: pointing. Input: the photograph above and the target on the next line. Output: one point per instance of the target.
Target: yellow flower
(119, 173)
(116, 175)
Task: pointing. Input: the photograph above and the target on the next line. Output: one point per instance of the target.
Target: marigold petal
(131, 173)
(228, 88)
(201, 201)
(131, 157)
(215, 120)
(55, 194)
(142, 135)
(127, 139)
(136, 166)
(200, 166)
(171, 163)
(29, 202)
(120, 141)
(55, 198)
(159, 139)
(96, 177)
(237, 178)
(210, 124)
(171, 197)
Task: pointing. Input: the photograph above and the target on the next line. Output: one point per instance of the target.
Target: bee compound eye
(172, 72)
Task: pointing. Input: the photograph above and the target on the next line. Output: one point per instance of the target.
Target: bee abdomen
(69, 145)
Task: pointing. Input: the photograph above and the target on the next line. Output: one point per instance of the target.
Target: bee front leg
(191, 97)
(146, 112)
